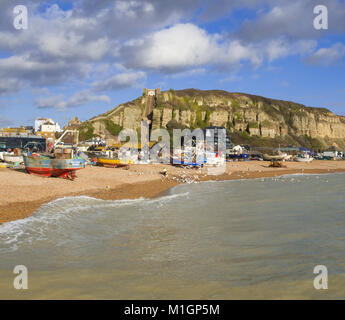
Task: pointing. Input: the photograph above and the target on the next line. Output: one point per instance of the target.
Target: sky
(84, 57)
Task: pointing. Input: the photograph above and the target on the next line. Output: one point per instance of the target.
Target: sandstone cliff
(249, 119)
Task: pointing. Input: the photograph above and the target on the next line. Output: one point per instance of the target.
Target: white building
(151, 92)
(38, 123)
(46, 125)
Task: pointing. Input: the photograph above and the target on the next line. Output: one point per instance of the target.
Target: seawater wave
(251, 238)
(58, 213)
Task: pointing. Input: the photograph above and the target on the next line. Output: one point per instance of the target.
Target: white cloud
(186, 45)
(9, 85)
(188, 73)
(63, 46)
(78, 99)
(281, 47)
(120, 81)
(28, 71)
(52, 101)
(327, 56)
(180, 46)
(130, 8)
(236, 52)
(73, 46)
(292, 19)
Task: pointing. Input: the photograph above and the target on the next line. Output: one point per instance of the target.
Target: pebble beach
(22, 194)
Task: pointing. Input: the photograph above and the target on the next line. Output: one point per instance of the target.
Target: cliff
(250, 119)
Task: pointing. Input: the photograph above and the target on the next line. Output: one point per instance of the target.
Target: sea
(242, 239)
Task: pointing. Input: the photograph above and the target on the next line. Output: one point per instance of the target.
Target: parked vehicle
(332, 154)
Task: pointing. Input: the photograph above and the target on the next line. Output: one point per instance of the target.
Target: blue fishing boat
(50, 167)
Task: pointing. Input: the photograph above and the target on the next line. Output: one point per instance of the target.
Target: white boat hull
(304, 159)
(13, 159)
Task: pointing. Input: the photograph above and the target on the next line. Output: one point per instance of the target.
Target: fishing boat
(268, 157)
(238, 153)
(2, 153)
(11, 158)
(113, 162)
(287, 157)
(214, 159)
(238, 157)
(189, 158)
(180, 162)
(304, 158)
(50, 167)
(3, 150)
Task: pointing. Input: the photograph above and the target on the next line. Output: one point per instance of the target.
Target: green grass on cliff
(201, 122)
(201, 104)
(86, 131)
(238, 137)
(113, 128)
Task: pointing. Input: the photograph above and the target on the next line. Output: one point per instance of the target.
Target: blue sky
(84, 57)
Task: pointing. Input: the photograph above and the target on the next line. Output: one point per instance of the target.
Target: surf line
(141, 310)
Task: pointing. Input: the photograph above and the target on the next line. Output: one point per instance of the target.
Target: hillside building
(46, 125)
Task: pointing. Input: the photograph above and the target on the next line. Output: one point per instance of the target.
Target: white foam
(59, 212)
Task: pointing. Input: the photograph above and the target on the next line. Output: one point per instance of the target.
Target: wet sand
(22, 194)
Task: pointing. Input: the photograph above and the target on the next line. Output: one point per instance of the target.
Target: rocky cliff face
(242, 114)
